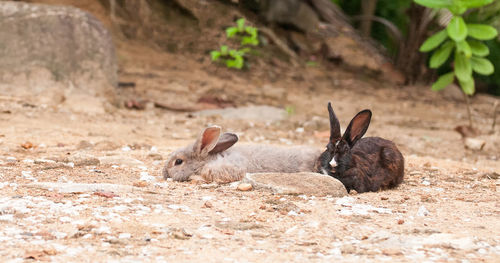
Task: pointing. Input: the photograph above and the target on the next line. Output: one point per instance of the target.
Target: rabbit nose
(165, 173)
(333, 163)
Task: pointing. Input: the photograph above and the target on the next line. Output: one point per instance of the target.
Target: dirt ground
(446, 210)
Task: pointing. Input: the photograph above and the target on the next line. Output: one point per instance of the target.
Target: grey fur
(233, 163)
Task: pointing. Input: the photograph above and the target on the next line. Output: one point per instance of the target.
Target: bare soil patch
(446, 209)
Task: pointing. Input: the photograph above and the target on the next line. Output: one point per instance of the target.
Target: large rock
(296, 13)
(297, 183)
(55, 54)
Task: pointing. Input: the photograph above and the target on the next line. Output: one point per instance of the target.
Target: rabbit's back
(380, 161)
(269, 158)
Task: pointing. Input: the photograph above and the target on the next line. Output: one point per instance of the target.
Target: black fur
(367, 164)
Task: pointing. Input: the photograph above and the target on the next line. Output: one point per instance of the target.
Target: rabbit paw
(222, 174)
(196, 179)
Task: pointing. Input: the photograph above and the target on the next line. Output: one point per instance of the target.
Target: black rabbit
(367, 164)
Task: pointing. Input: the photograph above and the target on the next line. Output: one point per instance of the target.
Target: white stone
(124, 236)
(422, 211)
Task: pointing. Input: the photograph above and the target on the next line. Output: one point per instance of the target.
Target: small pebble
(244, 187)
(126, 149)
(179, 233)
(140, 184)
(392, 252)
(422, 211)
(124, 235)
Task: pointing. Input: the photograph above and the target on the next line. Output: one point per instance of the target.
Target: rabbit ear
(334, 125)
(226, 140)
(358, 127)
(207, 140)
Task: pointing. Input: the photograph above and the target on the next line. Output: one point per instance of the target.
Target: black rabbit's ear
(358, 127)
(226, 140)
(334, 125)
(207, 140)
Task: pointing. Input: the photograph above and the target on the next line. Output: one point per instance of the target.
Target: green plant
(235, 58)
(232, 58)
(464, 39)
(489, 15)
(248, 35)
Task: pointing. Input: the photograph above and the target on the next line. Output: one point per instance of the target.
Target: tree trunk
(409, 60)
(368, 10)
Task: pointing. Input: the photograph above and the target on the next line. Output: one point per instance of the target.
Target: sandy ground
(447, 208)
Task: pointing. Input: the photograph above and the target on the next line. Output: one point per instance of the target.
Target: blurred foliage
(235, 58)
(393, 11)
(463, 38)
(490, 15)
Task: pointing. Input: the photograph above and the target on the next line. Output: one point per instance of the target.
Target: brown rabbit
(367, 164)
(214, 159)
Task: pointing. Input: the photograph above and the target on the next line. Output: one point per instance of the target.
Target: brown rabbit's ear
(334, 125)
(226, 140)
(207, 140)
(357, 127)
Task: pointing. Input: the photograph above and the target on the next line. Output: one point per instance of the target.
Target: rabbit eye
(178, 162)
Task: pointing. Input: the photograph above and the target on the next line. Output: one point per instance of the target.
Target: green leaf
(224, 50)
(236, 53)
(252, 31)
(482, 66)
(215, 55)
(475, 3)
(457, 30)
(457, 8)
(245, 50)
(441, 55)
(435, 3)
(443, 81)
(231, 31)
(463, 69)
(230, 63)
(464, 47)
(237, 62)
(478, 48)
(233, 53)
(241, 24)
(434, 41)
(249, 41)
(467, 86)
(481, 32)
